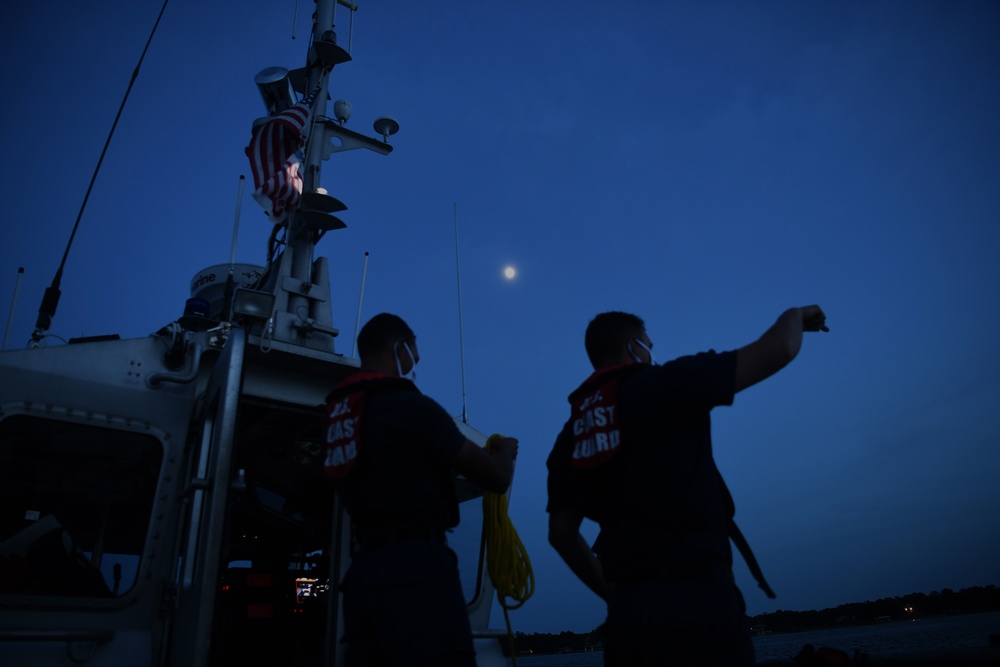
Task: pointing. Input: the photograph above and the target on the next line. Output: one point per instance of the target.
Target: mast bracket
(337, 138)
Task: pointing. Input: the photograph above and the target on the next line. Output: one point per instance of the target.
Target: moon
(509, 272)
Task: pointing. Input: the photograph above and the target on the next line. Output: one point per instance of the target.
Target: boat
(160, 503)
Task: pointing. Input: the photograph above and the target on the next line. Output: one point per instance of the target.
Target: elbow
(560, 534)
(497, 486)
(498, 482)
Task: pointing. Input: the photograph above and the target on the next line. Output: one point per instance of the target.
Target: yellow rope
(506, 558)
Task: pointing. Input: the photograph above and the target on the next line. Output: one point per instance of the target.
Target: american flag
(275, 158)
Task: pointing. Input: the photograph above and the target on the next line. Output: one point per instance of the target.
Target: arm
(493, 471)
(778, 346)
(565, 537)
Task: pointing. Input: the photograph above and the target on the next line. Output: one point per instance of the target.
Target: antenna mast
(13, 303)
(361, 296)
(50, 300)
(461, 337)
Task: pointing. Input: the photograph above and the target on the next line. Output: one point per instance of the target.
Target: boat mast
(303, 315)
(302, 238)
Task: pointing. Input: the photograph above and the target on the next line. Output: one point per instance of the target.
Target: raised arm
(493, 471)
(778, 346)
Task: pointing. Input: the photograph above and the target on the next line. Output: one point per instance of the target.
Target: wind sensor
(386, 126)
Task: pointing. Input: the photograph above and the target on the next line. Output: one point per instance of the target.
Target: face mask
(652, 361)
(412, 375)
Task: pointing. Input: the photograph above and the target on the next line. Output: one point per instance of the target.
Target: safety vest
(344, 411)
(596, 427)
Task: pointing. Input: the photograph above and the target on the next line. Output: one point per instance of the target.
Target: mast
(300, 283)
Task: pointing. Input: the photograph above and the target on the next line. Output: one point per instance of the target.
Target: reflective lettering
(340, 408)
(338, 456)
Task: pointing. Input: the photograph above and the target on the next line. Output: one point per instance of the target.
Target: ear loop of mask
(412, 375)
(652, 361)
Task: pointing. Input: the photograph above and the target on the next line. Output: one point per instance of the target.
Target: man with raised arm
(636, 457)
(393, 453)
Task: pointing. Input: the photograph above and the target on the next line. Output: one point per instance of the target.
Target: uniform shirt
(659, 499)
(403, 473)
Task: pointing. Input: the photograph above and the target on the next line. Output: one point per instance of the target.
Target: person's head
(616, 338)
(387, 344)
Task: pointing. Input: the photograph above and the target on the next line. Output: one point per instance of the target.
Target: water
(939, 633)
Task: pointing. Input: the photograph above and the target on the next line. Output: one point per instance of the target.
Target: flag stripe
(275, 158)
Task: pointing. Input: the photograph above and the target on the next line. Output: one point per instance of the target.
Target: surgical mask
(652, 360)
(412, 375)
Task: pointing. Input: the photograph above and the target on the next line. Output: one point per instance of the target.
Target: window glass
(75, 505)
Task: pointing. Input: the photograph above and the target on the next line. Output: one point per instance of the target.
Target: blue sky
(703, 164)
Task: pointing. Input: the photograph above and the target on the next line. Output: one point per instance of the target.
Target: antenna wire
(461, 336)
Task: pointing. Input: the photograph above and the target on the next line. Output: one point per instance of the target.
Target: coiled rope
(506, 558)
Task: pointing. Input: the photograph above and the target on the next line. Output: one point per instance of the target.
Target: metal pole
(13, 302)
(357, 324)
(461, 337)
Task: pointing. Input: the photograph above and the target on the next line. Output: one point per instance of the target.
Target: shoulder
(561, 449)
(412, 402)
(703, 361)
(370, 383)
(704, 377)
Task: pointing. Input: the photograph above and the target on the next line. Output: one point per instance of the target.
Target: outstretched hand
(813, 319)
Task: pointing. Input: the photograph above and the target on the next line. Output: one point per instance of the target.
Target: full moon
(509, 272)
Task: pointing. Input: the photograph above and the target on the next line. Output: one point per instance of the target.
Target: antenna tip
(20, 269)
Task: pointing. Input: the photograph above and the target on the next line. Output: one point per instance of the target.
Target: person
(636, 457)
(392, 453)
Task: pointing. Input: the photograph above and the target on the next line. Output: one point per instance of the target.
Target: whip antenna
(231, 280)
(236, 223)
(51, 297)
(13, 302)
(461, 337)
(357, 324)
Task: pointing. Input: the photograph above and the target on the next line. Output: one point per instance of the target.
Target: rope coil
(507, 560)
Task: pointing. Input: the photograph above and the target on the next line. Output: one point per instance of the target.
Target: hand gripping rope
(506, 558)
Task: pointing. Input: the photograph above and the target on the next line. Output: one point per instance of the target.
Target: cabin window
(75, 506)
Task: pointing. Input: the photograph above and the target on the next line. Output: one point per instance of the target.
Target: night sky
(702, 164)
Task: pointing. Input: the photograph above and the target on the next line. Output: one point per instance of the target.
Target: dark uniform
(636, 457)
(391, 449)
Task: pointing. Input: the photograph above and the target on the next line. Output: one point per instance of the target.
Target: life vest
(594, 419)
(345, 407)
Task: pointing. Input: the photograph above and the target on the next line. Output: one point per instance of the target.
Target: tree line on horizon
(937, 603)
(946, 601)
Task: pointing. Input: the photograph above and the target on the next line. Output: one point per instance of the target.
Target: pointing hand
(813, 319)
